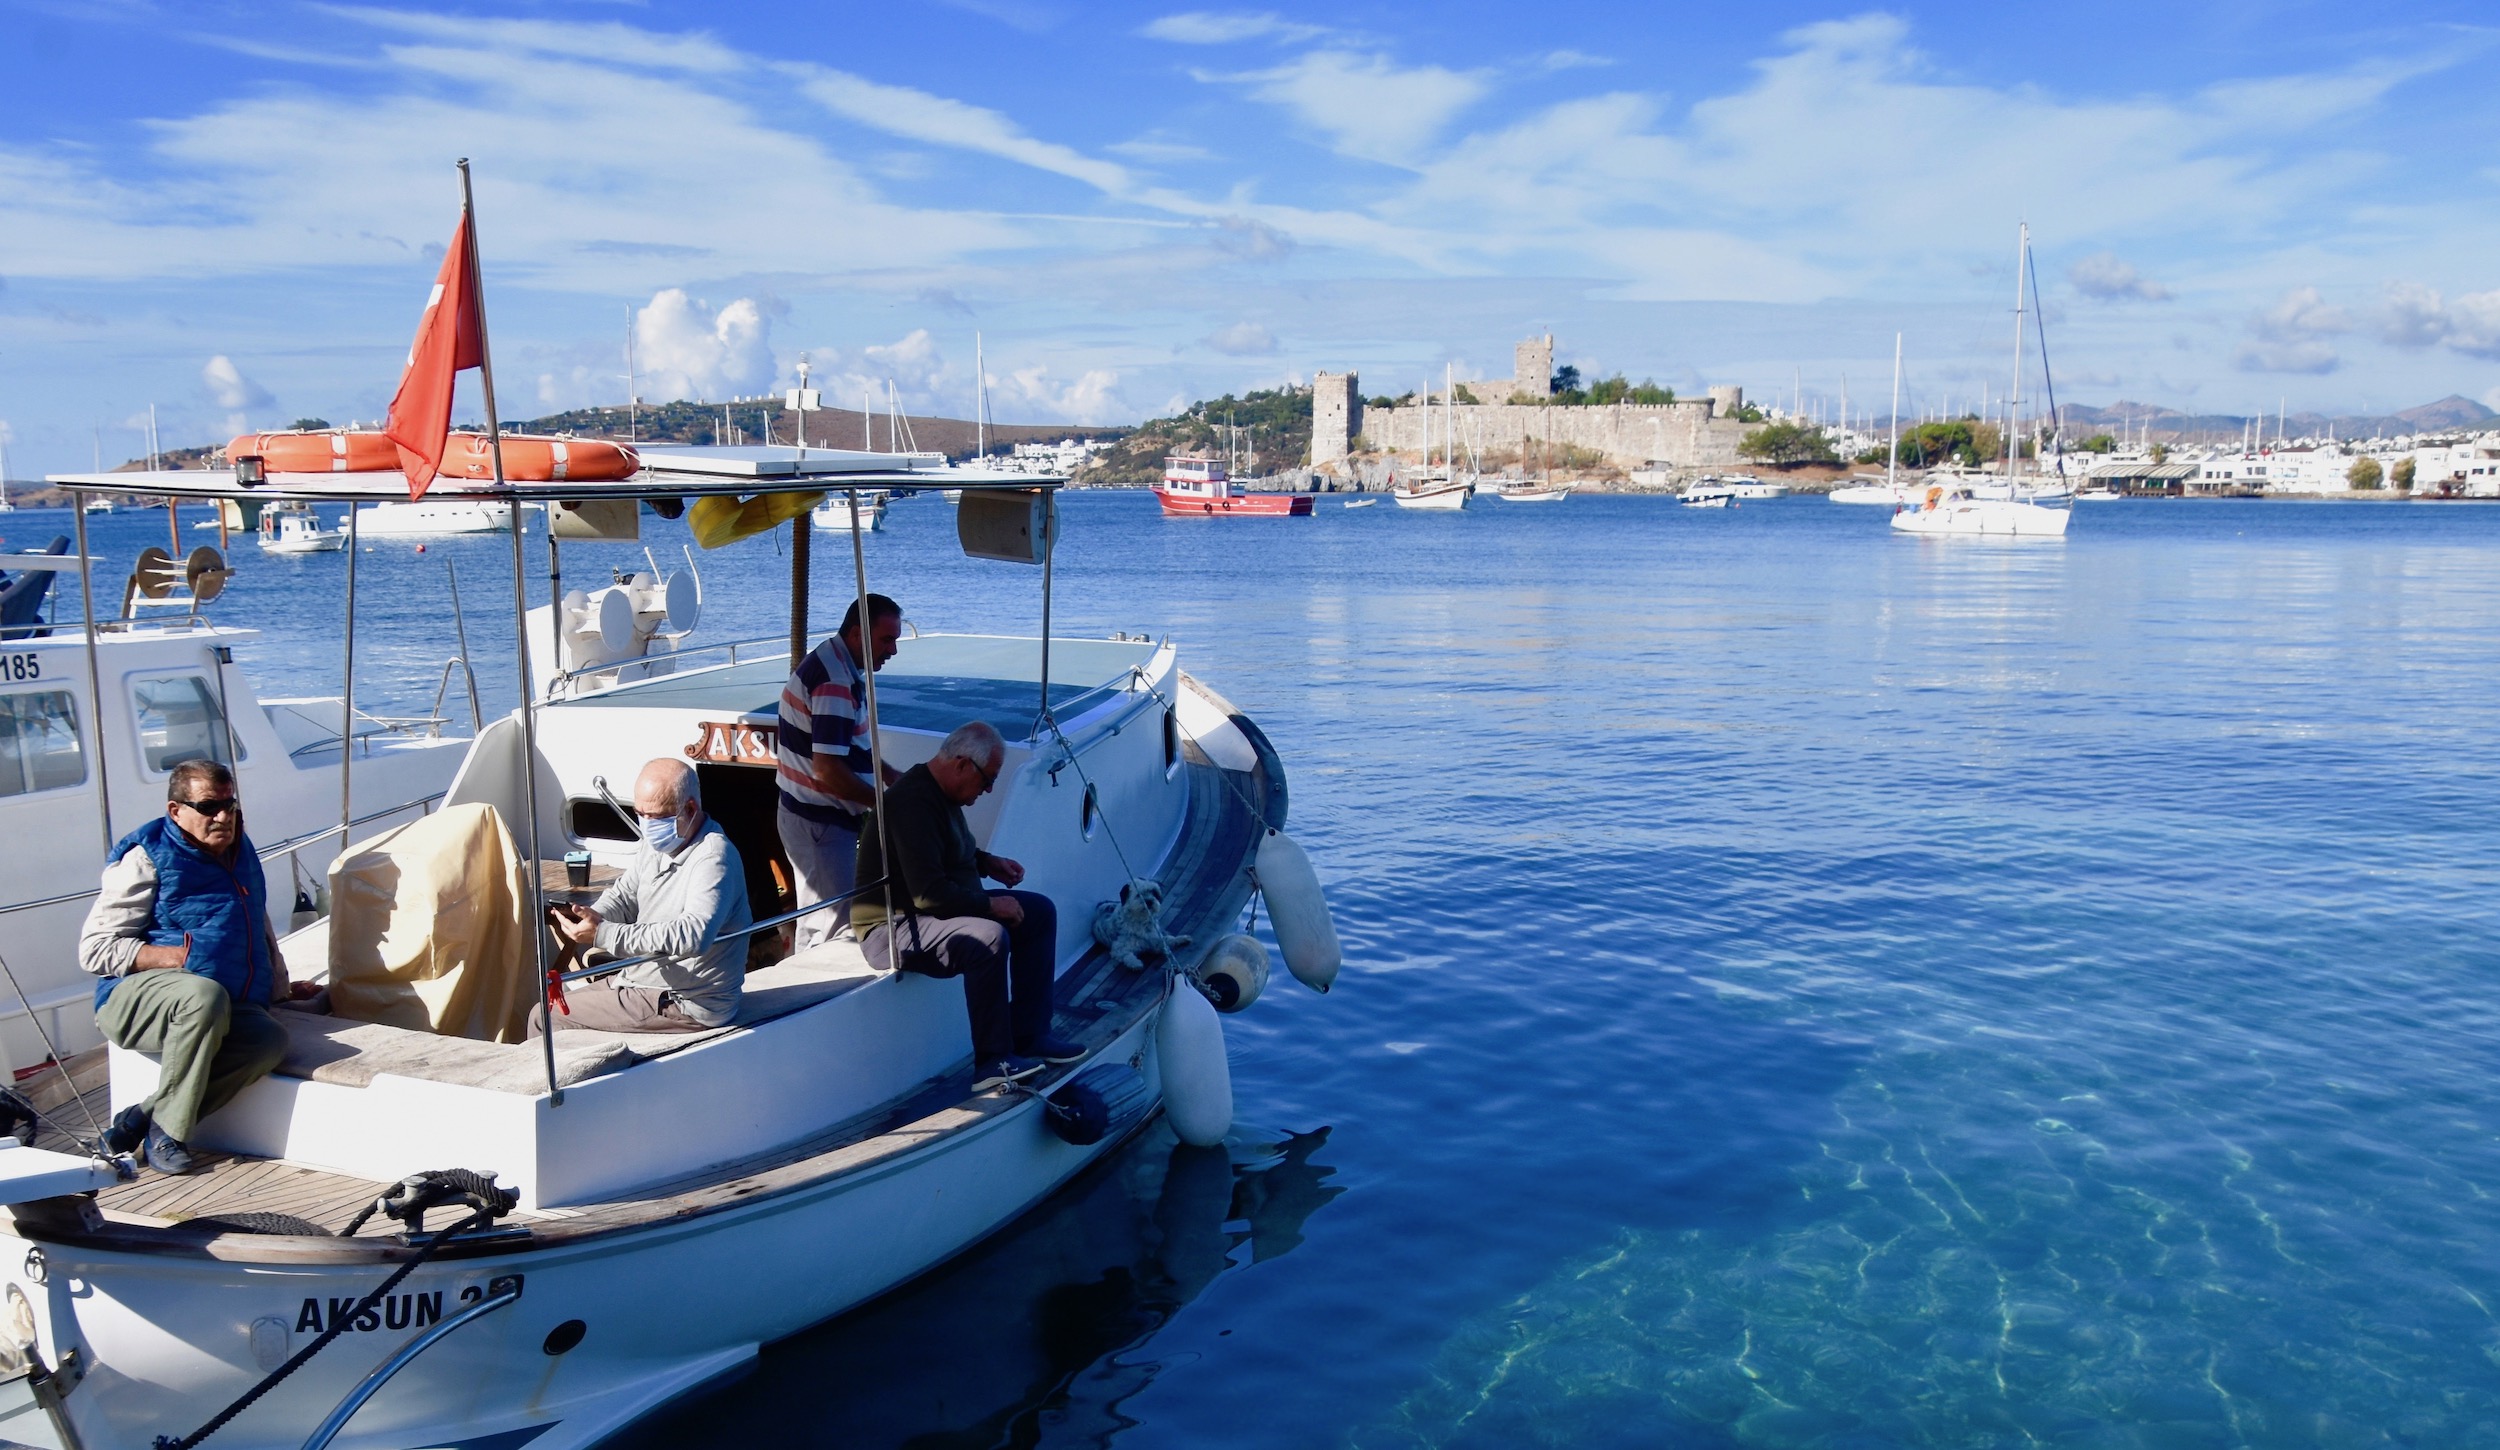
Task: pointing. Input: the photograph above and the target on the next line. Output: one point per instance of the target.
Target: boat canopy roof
(668, 472)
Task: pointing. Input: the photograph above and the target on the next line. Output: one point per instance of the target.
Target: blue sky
(233, 211)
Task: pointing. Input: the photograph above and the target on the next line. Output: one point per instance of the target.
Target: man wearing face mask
(685, 891)
(180, 934)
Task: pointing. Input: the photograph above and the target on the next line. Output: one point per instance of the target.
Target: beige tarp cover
(426, 928)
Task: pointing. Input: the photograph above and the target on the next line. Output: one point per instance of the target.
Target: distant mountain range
(2171, 425)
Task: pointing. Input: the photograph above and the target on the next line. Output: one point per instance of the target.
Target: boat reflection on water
(1038, 1326)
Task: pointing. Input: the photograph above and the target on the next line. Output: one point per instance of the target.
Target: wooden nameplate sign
(732, 742)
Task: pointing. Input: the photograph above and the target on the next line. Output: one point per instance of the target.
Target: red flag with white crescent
(448, 339)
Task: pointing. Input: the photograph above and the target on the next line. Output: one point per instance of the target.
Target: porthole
(1171, 744)
(1089, 813)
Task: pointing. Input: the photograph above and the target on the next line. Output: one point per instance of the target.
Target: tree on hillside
(2365, 474)
(1566, 379)
(1788, 443)
(2099, 443)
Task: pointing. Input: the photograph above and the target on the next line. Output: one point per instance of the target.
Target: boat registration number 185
(21, 667)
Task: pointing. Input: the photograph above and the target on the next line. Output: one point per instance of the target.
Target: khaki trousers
(209, 1046)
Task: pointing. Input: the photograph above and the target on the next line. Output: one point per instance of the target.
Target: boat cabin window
(592, 819)
(1089, 812)
(180, 719)
(1171, 744)
(39, 746)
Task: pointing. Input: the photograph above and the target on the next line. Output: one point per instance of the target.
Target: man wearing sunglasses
(180, 935)
(1004, 944)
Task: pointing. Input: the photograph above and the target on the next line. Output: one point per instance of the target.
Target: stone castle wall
(1681, 434)
(1336, 415)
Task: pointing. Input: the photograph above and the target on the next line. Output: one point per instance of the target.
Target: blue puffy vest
(222, 908)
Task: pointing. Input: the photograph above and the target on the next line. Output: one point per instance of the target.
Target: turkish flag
(449, 338)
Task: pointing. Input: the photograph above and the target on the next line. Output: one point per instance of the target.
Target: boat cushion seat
(338, 1050)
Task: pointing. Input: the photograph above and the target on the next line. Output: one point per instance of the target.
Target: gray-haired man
(685, 891)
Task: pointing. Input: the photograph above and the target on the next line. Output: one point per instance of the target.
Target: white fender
(1197, 1082)
(1299, 912)
(1234, 972)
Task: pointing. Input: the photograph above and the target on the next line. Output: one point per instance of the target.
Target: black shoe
(129, 1129)
(167, 1155)
(999, 1072)
(1055, 1049)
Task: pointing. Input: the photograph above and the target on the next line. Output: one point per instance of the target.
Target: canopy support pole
(95, 675)
(520, 615)
(876, 736)
(347, 695)
(1050, 538)
(800, 530)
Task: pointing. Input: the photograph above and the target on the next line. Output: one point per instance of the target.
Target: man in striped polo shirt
(822, 751)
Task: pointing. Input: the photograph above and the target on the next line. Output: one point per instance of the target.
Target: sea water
(1804, 986)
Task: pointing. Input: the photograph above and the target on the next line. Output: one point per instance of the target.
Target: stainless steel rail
(506, 1291)
(767, 924)
(292, 843)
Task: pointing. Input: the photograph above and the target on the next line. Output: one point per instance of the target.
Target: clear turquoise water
(1805, 987)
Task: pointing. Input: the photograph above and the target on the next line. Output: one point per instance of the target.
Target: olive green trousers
(210, 1046)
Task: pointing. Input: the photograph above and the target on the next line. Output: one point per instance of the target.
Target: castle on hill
(1685, 434)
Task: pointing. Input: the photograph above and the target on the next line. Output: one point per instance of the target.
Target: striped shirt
(821, 715)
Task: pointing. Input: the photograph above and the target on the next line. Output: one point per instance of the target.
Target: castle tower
(1726, 401)
(1532, 368)
(1336, 416)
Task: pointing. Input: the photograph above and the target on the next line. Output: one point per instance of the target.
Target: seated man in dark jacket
(1004, 944)
(180, 934)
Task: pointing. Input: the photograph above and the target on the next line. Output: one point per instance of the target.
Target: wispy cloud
(938, 120)
(1242, 339)
(2414, 317)
(1210, 27)
(2104, 277)
(2290, 336)
(1366, 105)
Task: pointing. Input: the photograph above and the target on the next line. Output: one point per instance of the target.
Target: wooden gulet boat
(665, 1208)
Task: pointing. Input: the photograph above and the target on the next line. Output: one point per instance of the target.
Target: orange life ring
(527, 458)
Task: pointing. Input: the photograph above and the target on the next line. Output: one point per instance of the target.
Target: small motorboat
(298, 530)
(1360, 503)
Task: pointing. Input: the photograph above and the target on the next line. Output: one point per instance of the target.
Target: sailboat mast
(1892, 457)
(980, 402)
(2014, 406)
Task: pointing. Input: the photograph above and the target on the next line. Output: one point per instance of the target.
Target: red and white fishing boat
(1196, 485)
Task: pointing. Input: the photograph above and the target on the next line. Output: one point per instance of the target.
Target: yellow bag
(723, 519)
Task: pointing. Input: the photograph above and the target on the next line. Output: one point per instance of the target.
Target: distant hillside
(1275, 425)
(2171, 425)
(832, 427)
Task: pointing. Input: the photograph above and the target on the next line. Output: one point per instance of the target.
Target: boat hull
(1984, 518)
(1242, 505)
(663, 1308)
(1447, 500)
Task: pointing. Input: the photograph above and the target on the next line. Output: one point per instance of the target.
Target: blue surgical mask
(661, 834)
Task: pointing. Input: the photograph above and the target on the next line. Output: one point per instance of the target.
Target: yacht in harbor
(835, 512)
(1967, 505)
(1201, 485)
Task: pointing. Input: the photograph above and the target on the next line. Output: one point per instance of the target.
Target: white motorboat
(76, 776)
(1750, 489)
(432, 516)
(2098, 495)
(665, 1206)
(1873, 491)
(285, 530)
(1709, 492)
(1361, 503)
(99, 506)
(835, 512)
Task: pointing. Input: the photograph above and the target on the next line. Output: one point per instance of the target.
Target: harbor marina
(711, 1171)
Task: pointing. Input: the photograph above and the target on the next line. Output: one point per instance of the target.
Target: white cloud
(686, 349)
(1031, 395)
(229, 388)
(2289, 337)
(2415, 316)
(938, 120)
(2103, 276)
(1244, 237)
(1242, 339)
(1208, 27)
(1367, 106)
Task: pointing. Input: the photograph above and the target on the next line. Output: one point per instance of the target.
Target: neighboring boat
(1533, 492)
(1200, 485)
(173, 690)
(666, 1206)
(1967, 505)
(296, 529)
(1707, 499)
(1889, 489)
(2098, 495)
(1748, 488)
(99, 506)
(1361, 503)
(432, 516)
(835, 511)
(1875, 491)
(1432, 490)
